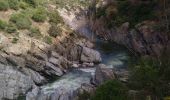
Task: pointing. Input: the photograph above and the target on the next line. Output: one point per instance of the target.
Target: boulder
(90, 55)
(35, 76)
(54, 69)
(103, 73)
(13, 82)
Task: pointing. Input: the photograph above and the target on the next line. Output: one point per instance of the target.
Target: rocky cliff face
(143, 38)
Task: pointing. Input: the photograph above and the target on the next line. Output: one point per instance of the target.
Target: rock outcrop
(13, 82)
(103, 73)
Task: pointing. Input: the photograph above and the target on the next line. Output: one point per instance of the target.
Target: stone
(57, 71)
(13, 82)
(54, 61)
(35, 76)
(103, 74)
(90, 55)
(16, 61)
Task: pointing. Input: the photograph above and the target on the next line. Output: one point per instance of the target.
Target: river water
(113, 55)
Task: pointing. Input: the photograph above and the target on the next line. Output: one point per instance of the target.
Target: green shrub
(4, 5)
(54, 30)
(11, 28)
(35, 32)
(48, 40)
(13, 4)
(111, 90)
(2, 25)
(55, 17)
(23, 5)
(39, 15)
(22, 21)
(14, 40)
(31, 2)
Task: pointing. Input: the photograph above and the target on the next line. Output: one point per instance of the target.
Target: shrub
(22, 21)
(13, 4)
(2, 25)
(4, 5)
(14, 40)
(35, 32)
(48, 40)
(39, 15)
(111, 90)
(55, 17)
(54, 30)
(23, 5)
(11, 28)
(32, 2)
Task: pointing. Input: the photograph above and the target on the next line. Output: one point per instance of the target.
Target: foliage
(11, 28)
(125, 11)
(55, 17)
(13, 4)
(14, 40)
(152, 76)
(4, 5)
(35, 32)
(84, 96)
(39, 15)
(32, 2)
(54, 30)
(2, 25)
(111, 90)
(48, 40)
(21, 20)
(23, 5)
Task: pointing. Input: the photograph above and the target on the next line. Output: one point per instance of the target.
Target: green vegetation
(4, 5)
(14, 40)
(48, 40)
(124, 11)
(39, 15)
(54, 30)
(11, 28)
(23, 5)
(21, 21)
(2, 25)
(54, 17)
(111, 90)
(151, 76)
(13, 4)
(35, 32)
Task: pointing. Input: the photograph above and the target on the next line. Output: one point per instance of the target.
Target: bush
(32, 2)
(35, 32)
(4, 5)
(48, 40)
(55, 17)
(23, 5)
(11, 28)
(39, 15)
(21, 21)
(14, 40)
(111, 90)
(13, 4)
(54, 30)
(2, 25)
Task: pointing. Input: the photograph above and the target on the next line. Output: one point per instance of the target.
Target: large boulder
(90, 55)
(13, 82)
(103, 73)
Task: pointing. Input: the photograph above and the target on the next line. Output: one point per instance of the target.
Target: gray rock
(57, 71)
(32, 95)
(90, 55)
(54, 61)
(35, 76)
(103, 74)
(13, 82)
